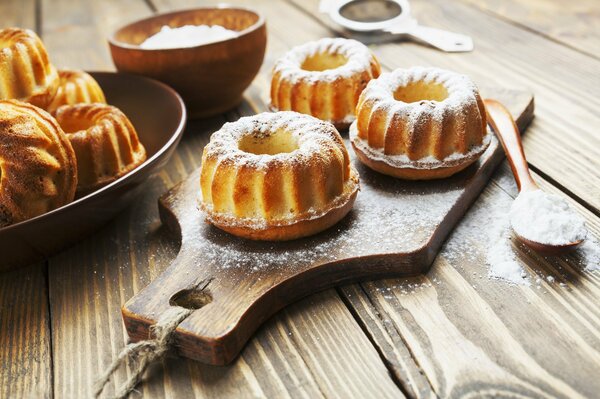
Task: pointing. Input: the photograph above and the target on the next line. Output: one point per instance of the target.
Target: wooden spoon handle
(507, 132)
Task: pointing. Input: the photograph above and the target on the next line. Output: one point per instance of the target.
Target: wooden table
(451, 333)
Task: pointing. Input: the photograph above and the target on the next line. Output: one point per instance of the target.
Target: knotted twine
(144, 352)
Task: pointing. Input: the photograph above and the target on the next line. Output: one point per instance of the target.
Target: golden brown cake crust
(324, 79)
(414, 170)
(26, 73)
(420, 123)
(76, 87)
(297, 228)
(38, 169)
(105, 143)
(276, 176)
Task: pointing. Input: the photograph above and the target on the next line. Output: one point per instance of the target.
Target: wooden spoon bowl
(546, 249)
(210, 78)
(506, 130)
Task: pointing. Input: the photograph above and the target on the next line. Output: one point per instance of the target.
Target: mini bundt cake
(324, 79)
(38, 169)
(25, 70)
(105, 142)
(277, 176)
(420, 123)
(76, 87)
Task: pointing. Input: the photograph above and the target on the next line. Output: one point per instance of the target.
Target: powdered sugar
(546, 218)
(442, 98)
(501, 258)
(357, 54)
(485, 236)
(589, 251)
(388, 214)
(187, 36)
(310, 133)
(460, 88)
(428, 162)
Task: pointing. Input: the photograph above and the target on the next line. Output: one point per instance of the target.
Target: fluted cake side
(26, 73)
(420, 123)
(105, 143)
(324, 79)
(76, 87)
(272, 170)
(38, 168)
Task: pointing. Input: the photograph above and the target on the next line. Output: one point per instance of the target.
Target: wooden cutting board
(396, 228)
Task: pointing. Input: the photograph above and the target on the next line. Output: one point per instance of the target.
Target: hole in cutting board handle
(192, 298)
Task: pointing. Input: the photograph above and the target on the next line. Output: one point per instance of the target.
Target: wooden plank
(92, 280)
(25, 353)
(95, 297)
(297, 353)
(562, 142)
(459, 326)
(277, 276)
(571, 24)
(25, 348)
(475, 335)
(20, 14)
(75, 32)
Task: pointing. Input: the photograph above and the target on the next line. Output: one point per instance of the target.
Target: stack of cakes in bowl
(58, 137)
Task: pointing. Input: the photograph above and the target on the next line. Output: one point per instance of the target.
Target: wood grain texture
(249, 281)
(75, 32)
(89, 282)
(465, 335)
(573, 25)
(562, 142)
(95, 278)
(25, 353)
(25, 348)
(297, 353)
(20, 14)
(473, 334)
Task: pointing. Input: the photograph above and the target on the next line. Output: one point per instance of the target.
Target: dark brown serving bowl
(159, 116)
(211, 78)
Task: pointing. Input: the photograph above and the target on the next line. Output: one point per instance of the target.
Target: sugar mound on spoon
(546, 219)
(187, 36)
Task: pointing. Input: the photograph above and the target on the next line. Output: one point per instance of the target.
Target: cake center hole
(270, 143)
(323, 62)
(73, 125)
(421, 91)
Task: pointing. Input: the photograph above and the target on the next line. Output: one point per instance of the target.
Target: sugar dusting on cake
(311, 134)
(399, 216)
(428, 162)
(390, 210)
(461, 92)
(318, 143)
(458, 107)
(358, 56)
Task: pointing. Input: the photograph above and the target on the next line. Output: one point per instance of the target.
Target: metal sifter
(392, 16)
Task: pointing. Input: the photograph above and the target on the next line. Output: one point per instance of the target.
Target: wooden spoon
(506, 130)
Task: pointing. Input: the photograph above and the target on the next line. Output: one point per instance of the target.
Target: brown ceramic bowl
(159, 116)
(211, 78)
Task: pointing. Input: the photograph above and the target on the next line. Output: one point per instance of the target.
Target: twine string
(143, 353)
